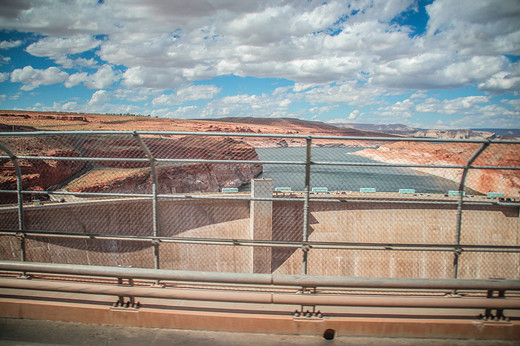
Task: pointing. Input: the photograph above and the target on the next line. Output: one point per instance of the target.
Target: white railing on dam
(256, 203)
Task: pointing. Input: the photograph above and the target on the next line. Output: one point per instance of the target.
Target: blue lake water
(345, 178)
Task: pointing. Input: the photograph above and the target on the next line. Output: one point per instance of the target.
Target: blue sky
(430, 64)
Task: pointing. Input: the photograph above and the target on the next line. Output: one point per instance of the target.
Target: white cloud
(249, 105)
(353, 115)
(103, 78)
(156, 77)
(479, 27)
(75, 79)
(433, 71)
(289, 39)
(4, 76)
(59, 48)
(323, 109)
(461, 105)
(99, 97)
(136, 95)
(275, 23)
(514, 103)
(418, 94)
(350, 93)
(400, 109)
(180, 112)
(458, 108)
(191, 93)
(149, 48)
(10, 44)
(32, 78)
(503, 81)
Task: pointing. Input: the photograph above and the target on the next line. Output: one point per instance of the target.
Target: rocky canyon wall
(482, 180)
(128, 176)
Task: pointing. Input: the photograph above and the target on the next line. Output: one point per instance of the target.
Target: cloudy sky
(432, 64)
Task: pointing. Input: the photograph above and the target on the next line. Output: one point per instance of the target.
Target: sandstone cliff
(482, 180)
(173, 177)
(37, 175)
(131, 177)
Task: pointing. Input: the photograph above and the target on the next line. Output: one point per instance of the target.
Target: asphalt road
(35, 332)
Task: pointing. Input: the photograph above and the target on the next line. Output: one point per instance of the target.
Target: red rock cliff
(120, 176)
(173, 177)
(37, 175)
(482, 180)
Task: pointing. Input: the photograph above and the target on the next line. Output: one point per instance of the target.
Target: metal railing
(156, 151)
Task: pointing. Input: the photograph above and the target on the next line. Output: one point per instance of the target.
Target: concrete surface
(37, 332)
(352, 222)
(265, 319)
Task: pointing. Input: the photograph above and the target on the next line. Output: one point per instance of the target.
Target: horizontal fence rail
(260, 279)
(268, 280)
(190, 201)
(265, 298)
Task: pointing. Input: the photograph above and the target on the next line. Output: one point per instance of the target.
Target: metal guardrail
(306, 282)
(304, 196)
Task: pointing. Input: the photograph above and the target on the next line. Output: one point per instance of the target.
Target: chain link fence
(334, 206)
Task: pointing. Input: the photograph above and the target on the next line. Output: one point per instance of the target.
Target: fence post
(19, 194)
(462, 184)
(305, 234)
(155, 185)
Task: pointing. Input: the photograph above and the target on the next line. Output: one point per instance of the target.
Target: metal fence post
(462, 184)
(155, 185)
(19, 194)
(305, 234)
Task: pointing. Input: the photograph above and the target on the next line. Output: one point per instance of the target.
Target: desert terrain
(81, 176)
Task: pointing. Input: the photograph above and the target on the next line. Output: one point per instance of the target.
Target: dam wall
(396, 223)
(132, 217)
(371, 236)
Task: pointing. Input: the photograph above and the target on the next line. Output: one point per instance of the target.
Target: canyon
(135, 177)
(207, 177)
(126, 176)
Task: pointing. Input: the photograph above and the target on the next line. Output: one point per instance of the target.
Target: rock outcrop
(37, 175)
(50, 116)
(172, 177)
(130, 177)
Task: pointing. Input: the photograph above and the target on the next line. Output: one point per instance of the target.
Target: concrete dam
(353, 234)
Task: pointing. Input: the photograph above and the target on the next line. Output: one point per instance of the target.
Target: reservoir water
(344, 178)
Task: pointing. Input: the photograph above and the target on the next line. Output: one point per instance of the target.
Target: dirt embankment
(482, 180)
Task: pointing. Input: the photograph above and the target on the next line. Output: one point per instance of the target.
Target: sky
(428, 64)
